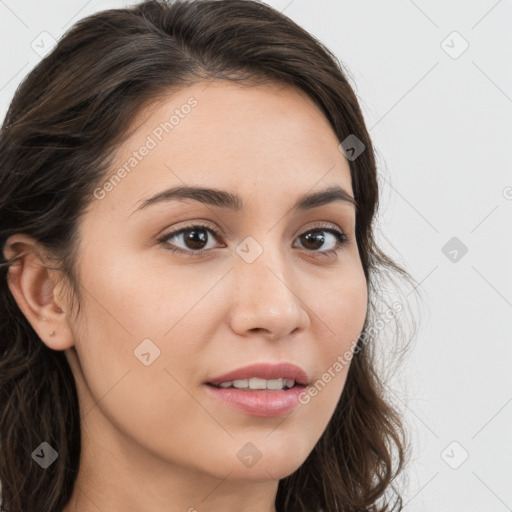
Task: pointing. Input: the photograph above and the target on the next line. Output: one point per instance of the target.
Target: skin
(151, 435)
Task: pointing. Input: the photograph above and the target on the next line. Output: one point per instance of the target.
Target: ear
(33, 285)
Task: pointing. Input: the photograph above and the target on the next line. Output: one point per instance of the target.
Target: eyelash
(341, 239)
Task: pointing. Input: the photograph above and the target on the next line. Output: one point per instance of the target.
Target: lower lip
(263, 403)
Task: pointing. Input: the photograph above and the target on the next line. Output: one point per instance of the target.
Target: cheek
(125, 297)
(340, 316)
(342, 307)
(142, 401)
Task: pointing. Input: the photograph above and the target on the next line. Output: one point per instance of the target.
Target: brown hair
(64, 121)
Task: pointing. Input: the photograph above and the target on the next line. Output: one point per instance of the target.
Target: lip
(263, 403)
(266, 371)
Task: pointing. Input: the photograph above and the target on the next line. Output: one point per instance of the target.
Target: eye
(315, 238)
(195, 239)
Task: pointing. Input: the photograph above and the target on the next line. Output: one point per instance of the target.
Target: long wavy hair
(65, 121)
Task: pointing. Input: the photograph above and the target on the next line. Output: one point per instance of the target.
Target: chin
(275, 466)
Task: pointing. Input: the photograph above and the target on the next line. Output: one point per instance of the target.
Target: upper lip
(265, 371)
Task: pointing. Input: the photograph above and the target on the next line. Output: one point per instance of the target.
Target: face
(262, 283)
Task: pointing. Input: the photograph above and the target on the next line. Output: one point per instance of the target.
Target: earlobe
(32, 284)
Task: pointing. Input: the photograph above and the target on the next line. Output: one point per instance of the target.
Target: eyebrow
(228, 200)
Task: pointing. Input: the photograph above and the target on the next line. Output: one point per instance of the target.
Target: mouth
(260, 389)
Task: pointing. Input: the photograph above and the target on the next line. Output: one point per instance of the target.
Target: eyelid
(189, 225)
(320, 225)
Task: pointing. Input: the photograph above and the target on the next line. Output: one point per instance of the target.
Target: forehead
(266, 138)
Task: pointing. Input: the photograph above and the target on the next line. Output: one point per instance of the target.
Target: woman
(187, 196)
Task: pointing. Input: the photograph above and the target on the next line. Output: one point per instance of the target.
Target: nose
(268, 299)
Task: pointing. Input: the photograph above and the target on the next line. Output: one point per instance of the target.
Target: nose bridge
(265, 296)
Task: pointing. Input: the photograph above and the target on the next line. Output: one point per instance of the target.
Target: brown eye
(194, 238)
(315, 239)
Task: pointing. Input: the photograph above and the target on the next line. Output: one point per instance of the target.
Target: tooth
(256, 383)
(275, 384)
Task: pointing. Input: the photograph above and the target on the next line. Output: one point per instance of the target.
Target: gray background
(441, 122)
